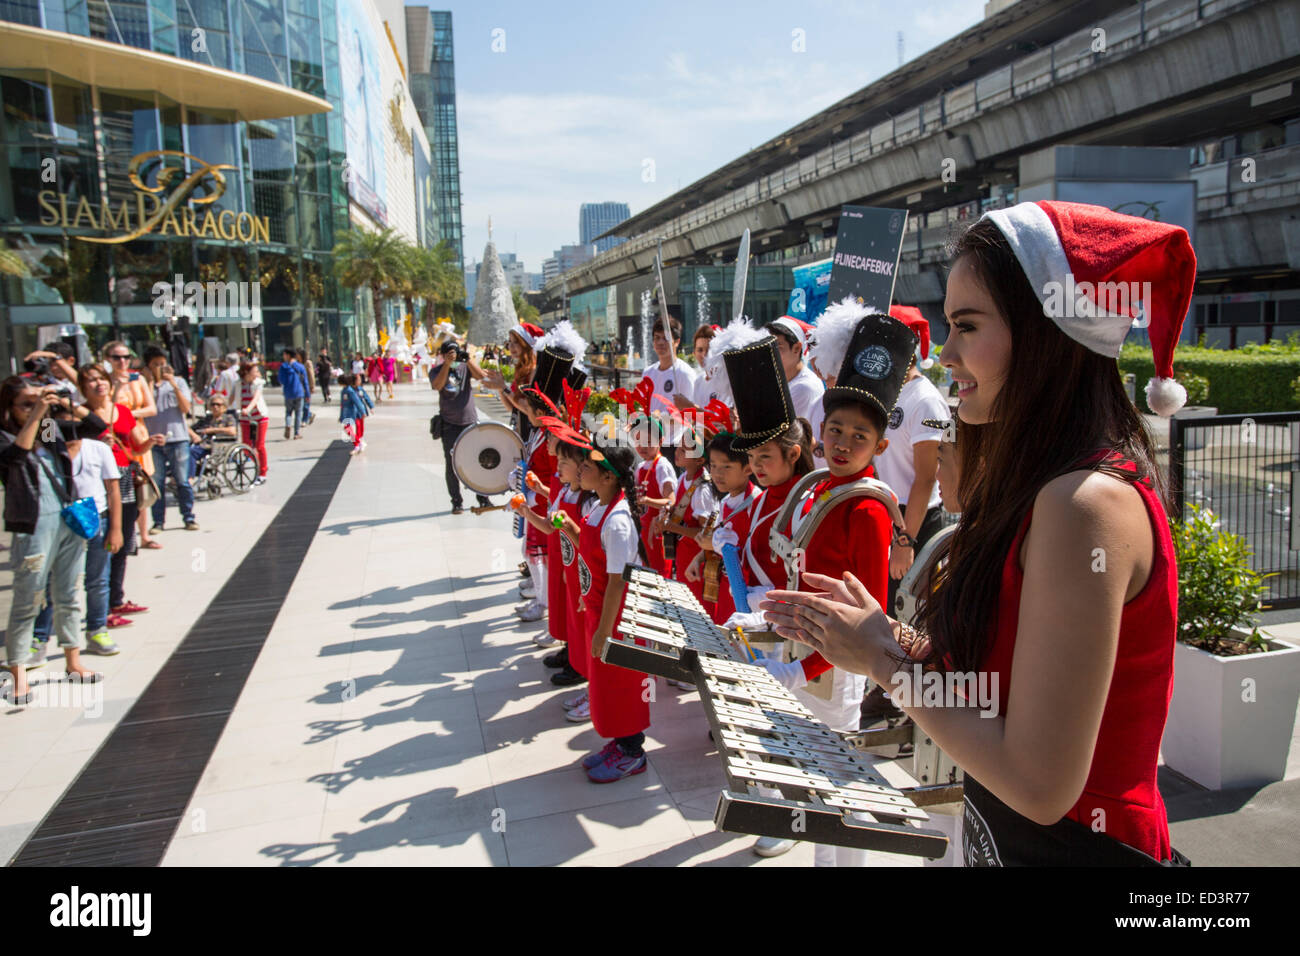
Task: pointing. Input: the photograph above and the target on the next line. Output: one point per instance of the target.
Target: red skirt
(619, 697)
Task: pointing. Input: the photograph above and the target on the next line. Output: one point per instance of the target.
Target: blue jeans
(51, 556)
(197, 454)
(97, 565)
(293, 413)
(174, 457)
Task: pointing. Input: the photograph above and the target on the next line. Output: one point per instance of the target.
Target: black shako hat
(880, 354)
(554, 366)
(760, 392)
(577, 378)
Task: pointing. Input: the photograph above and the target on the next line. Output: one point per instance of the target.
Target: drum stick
(483, 509)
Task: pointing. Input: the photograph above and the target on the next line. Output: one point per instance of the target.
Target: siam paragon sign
(163, 205)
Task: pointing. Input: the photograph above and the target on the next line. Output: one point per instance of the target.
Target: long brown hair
(524, 370)
(1059, 403)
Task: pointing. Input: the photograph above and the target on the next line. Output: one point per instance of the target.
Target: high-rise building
(433, 88)
(570, 257)
(597, 217)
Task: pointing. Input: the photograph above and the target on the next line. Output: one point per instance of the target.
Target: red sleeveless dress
(1120, 796)
(578, 649)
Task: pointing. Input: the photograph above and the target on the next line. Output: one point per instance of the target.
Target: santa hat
(529, 333)
(911, 316)
(796, 327)
(738, 334)
(1067, 249)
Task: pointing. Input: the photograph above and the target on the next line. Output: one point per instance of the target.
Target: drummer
(451, 378)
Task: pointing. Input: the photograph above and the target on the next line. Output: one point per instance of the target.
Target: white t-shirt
(679, 378)
(228, 385)
(618, 537)
(358, 367)
(806, 391)
(93, 465)
(918, 401)
(704, 501)
(705, 390)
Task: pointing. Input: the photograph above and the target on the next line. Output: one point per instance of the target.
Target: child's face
(729, 476)
(567, 469)
(589, 475)
(773, 465)
(645, 451)
(687, 455)
(851, 440)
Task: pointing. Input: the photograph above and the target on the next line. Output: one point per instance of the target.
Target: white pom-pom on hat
(1165, 396)
(834, 332)
(736, 335)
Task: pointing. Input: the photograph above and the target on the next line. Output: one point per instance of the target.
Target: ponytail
(799, 434)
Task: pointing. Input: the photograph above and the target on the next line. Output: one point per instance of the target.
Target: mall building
(152, 145)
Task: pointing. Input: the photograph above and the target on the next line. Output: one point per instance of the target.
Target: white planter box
(1218, 739)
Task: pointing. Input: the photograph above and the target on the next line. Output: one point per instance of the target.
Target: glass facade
(66, 179)
(433, 91)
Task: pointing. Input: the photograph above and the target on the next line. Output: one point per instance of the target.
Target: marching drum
(484, 456)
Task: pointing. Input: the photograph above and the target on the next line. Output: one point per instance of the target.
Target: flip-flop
(152, 546)
(94, 677)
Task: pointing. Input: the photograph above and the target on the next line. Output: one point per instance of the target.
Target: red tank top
(757, 544)
(1122, 779)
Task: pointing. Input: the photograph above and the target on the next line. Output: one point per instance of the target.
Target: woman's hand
(900, 560)
(158, 439)
(494, 379)
(843, 622)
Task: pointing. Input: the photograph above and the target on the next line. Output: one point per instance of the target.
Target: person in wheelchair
(217, 425)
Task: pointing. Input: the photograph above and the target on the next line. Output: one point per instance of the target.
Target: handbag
(435, 427)
(146, 489)
(81, 514)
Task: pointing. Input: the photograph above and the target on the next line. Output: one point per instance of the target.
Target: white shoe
(577, 701)
(532, 612)
(527, 590)
(363, 444)
(681, 685)
(580, 714)
(544, 639)
(772, 846)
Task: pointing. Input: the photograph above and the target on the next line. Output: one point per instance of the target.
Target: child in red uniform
(608, 541)
(656, 484)
(729, 470)
(697, 500)
(1061, 767)
(540, 462)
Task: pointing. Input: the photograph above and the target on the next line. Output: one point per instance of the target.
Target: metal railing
(1242, 468)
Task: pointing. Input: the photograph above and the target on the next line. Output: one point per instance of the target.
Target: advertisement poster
(364, 128)
(867, 246)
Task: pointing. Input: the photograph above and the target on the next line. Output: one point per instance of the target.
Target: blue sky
(585, 93)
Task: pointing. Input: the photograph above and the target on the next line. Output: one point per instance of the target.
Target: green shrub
(1218, 591)
(1295, 391)
(600, 402)
(1253, 378)
(1198, 386)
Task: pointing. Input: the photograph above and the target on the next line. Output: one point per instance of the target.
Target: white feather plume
(737, 334)
(834, 332)
(565, 337)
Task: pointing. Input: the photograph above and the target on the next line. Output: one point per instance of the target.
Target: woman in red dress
(1058, 606)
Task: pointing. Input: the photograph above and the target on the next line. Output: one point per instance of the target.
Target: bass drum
(484, 456)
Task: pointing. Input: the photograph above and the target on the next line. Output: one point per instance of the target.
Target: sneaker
(156, 529)
(616, 766)
(456, 511)
(101, 644)
(532, 612)
(363, 444)
(523, 570)
(559, 658)
(571, 702)
(544, 639)
(126, 607)
(567, 677)
(599, 757)
(191, 525)
(772, 846)
(527, 590)
(38, 657)
(259, 480)
(117, 620)
(580, 714)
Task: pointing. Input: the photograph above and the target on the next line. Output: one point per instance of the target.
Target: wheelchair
(229, 465)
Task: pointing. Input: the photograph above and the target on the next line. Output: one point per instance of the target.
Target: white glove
(750, 622)
(723, 537)
(790, 675)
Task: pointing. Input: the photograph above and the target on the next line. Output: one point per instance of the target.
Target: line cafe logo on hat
(162, 207)
(873, 362)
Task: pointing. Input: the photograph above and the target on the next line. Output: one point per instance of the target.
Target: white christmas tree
(494, 307)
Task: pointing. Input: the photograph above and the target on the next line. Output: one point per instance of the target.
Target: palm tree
(374, 260)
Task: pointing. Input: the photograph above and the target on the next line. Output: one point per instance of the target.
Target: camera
(462, 355)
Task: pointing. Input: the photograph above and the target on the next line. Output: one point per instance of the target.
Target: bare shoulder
(1089, 497)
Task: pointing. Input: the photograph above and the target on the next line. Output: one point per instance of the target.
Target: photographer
(452, 379)
(172, 399)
